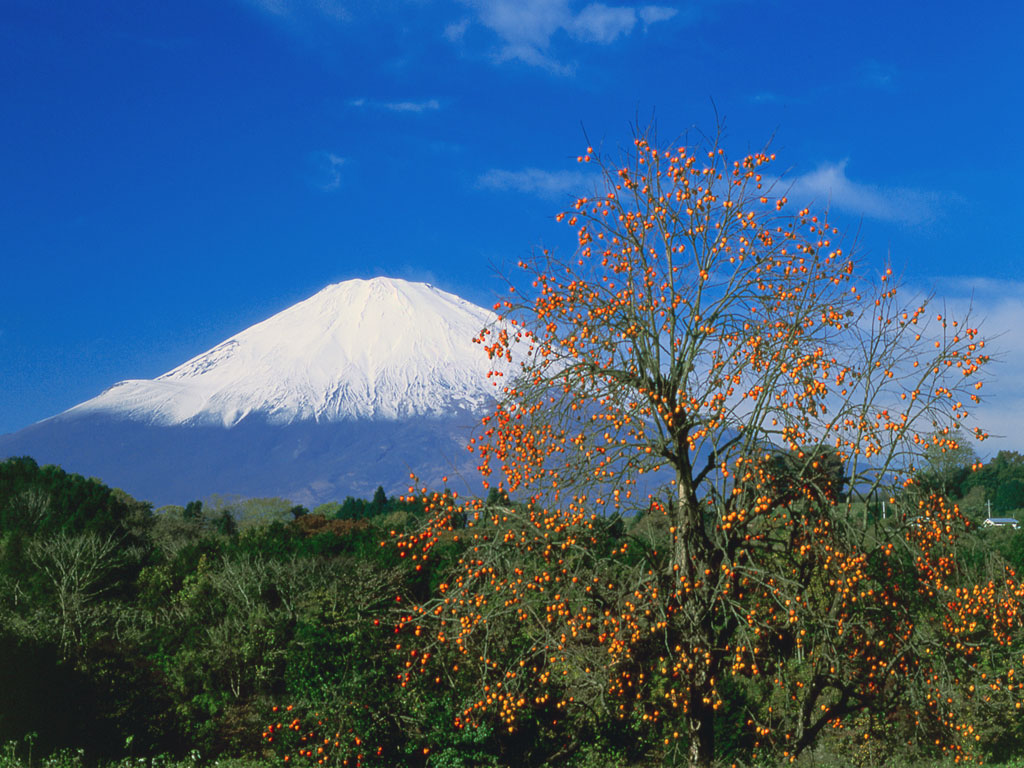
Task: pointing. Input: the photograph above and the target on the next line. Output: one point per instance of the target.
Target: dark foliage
(195, 624)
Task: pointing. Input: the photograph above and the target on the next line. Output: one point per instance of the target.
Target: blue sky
(174, 172)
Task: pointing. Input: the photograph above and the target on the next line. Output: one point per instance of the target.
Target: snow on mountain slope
(362, 349)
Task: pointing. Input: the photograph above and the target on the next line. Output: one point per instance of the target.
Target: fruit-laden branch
(697, 383)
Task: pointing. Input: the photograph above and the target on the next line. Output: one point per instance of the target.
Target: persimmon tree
(689, 391)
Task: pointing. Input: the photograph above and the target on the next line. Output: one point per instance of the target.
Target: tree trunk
(687, 521)
(702, 737)
(690, 555)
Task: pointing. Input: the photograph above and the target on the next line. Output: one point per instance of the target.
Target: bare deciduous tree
(75, 566)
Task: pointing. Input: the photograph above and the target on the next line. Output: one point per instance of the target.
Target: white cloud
(535, 58)
(534, 181)
(528, 23)
(290, 9)
(997, 307)
(455, 32)
(829, 185)
(652, 14)
(526, 27)
(412, 106)
(325, 170)
(331, 8)
(429, 105)
(275, 7)
(599, 23)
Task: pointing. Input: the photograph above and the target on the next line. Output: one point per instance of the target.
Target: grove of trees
(129, 632)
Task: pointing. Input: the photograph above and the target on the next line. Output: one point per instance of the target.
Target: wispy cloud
(767, 97)
(325, 170)
(652, 14)
(456, 31)
(875, 74)
(293, 9)
(829, 185)
(429, 105)
(997, 306)
(552, 185)
(526, 27)
(599, 23)
(869, 74)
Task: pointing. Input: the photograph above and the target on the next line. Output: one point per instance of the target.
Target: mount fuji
(355, 387)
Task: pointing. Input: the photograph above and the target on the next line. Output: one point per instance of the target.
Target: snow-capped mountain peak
(362, 349)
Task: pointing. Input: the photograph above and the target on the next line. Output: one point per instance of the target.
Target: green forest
(261, 631)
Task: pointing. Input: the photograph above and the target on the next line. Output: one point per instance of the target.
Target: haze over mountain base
(306, 462)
